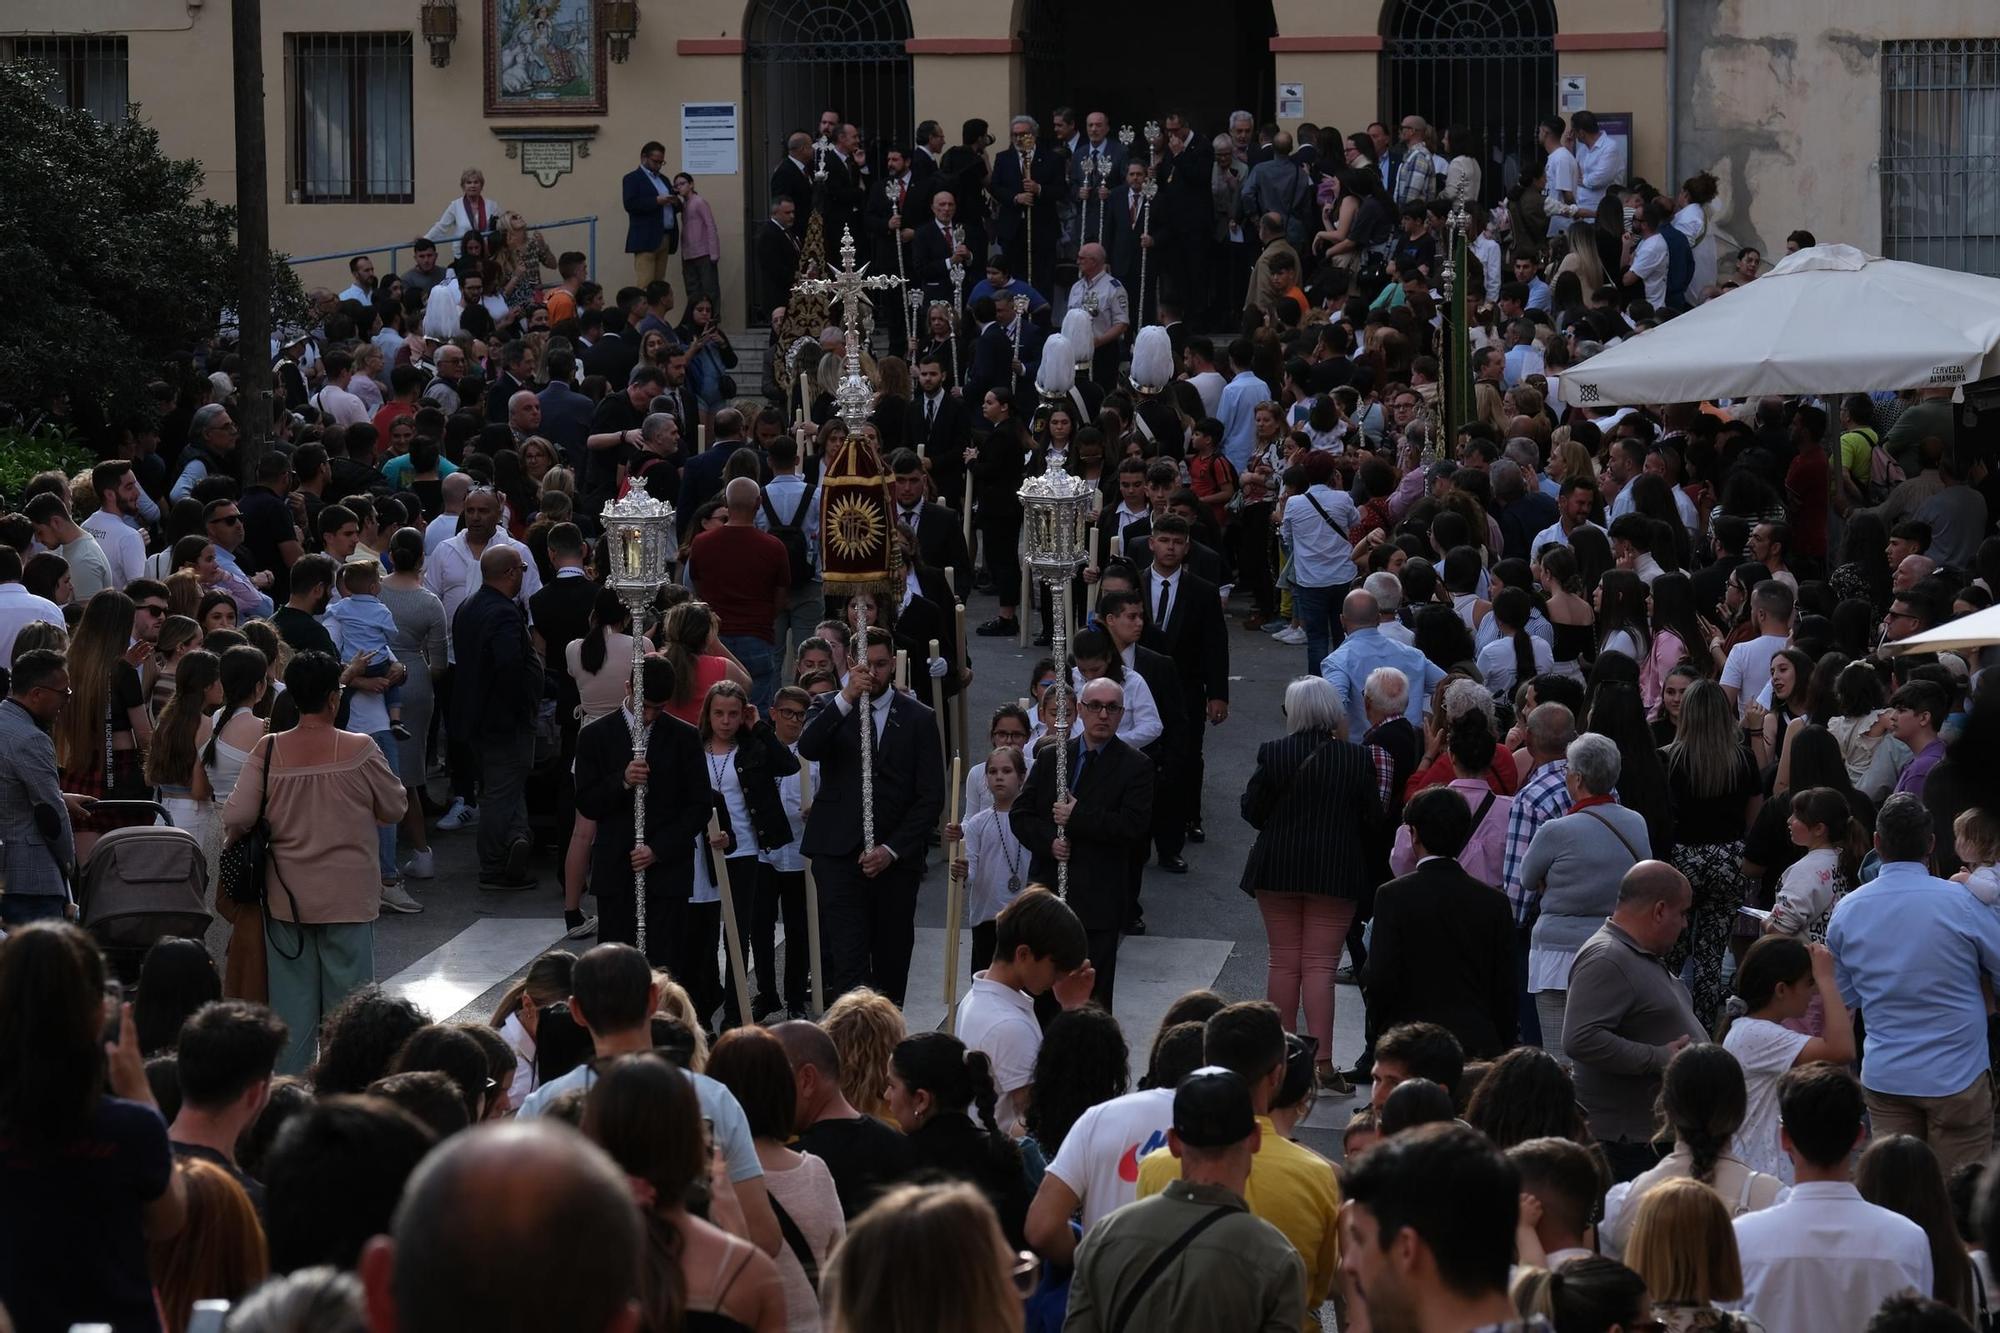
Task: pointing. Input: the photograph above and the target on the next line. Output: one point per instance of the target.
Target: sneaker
(517, 858)
(421, 865)
(1294, 636)
(399, 731)
(578, 926)
(999, 627)
(458, 816)
(396, 898)
(1275, 626)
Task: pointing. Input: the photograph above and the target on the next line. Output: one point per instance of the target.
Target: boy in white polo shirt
(1038, 947)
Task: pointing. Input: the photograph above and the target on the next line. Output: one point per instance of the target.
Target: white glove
(938, 666)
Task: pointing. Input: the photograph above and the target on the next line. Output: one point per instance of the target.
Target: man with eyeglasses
(1416, 175)
(211, 440)
(1094, 827)
(35, 837)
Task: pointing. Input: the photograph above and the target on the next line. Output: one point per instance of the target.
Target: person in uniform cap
(1193, 1256)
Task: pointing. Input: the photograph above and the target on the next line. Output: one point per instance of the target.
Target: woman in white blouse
(470, 212)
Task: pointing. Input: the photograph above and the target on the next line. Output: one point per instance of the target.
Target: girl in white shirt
(992, 863)
(1514, 655)
(519, 1016)
(1823, 823)
(1140, 724)
(1780, 976)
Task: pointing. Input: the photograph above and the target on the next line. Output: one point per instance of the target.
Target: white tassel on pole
(1152, 359)
(1056, 375)
(1079, 328)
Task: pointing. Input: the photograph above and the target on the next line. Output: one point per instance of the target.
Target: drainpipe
(1672, 182)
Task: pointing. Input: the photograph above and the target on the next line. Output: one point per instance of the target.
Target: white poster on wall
(708, 138)
(1572, 93)
(1291, 101)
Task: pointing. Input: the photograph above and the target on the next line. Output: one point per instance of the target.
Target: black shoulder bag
(240, 869)
(796, 1240)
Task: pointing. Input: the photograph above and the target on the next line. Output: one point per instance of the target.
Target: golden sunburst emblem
(854, 527)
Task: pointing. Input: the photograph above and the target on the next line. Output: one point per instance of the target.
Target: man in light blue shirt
(1366, 649)
(1909, 950)
(1315, 527)
(1238, 408)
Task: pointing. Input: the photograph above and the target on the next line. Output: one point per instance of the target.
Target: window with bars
(90, 71)
(1941, 153)
(350, 135)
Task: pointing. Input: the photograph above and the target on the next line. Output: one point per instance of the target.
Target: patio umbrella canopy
(1981, 629)
(1827, 320)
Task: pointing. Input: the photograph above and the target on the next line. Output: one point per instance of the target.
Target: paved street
(458, 955)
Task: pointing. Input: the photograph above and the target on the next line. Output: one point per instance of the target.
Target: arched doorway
(1116, 56)
(1489, 65)
(802, 57)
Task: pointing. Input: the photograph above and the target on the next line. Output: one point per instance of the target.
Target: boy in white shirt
(1038, 947)
(1748, 669)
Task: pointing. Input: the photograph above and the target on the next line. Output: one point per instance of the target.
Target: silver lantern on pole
(640, 530)
(1055, 510)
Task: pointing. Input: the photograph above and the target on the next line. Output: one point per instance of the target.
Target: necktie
(930, 412)
(910, 519)
(1135, 210)
(1160, 618)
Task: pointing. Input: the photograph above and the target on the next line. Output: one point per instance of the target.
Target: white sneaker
(421, 865)
(1295, 635)
(459, 815)
(396, 898)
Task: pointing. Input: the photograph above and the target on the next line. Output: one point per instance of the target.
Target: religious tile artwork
(543, 57)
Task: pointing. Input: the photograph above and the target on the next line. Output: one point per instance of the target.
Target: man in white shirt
(333, 400)
(1572, 512)
(1648, 264)
(124, 549)
(1038, 946)
(89, 571)
(362, 269)
(1314, 529)
(18, 606)
(1559, 190)
(1199, 358)
(1097, 1167)
(455, 487)
(1825, 1259)
(1600, 162)
(1748, 668)
(613, 994)
(452, 572)
(1387, 590)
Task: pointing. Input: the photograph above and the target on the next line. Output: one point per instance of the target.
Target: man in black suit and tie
(777, 258)
(868, 895)
(993, 351)
(939, 533)
(1025, 187)
(1442, 950)
(677, 804)
(942, 423)
(1121, 611)
(793, 180)
(932, 249)
(846, 188)
(614, 355)
(887, 230)
(1095, 826)
(1124, 226)
(1187, 609)
(560, 611)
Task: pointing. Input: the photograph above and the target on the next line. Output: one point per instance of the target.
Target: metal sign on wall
(547, 153)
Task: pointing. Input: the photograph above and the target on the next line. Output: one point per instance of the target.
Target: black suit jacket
(916, 625)
(613, 357)
(793, 182)
(1163, 678)
(993, 362)
(677, 802)
(1050, 170)
(945, 442)
(777, 266)
(1196, 634)
(1443, 952)
(929, 258)
(842, 197)
(561, 609)
(1121, 237)
(1113, 814)
(909, 781)
(941, 542)
(497, 684)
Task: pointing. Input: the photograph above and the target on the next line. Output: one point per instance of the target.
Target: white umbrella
(1981, 629)
(1827, 320)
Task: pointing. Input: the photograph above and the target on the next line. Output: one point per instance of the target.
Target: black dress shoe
(1174, 865)
(1195, 834)
(997, 628)
(1136, 926)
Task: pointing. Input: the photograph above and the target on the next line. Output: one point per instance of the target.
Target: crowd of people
(1667, 878)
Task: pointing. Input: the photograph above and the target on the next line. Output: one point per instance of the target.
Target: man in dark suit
(793, 180)
(1094, 827)
(777, 257)
(496, 690)
(1443, 948)
(1188, 611)
(1024, 188)
(1122, 613)
(701, 475)
(516, 368)
(560, 611)
(941, 422)
(868, 895)
(887, 230)
(939, 532)
(651, 235)
(565, 412)
(614, 355)
(993, 354)
(677, 805)
(1124, 224)
(964, 174)
(1098, 163)
(844, 190)
(932, 249)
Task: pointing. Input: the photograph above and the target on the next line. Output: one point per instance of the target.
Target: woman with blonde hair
(102, 733)
(677, 1004)
(179, 636)
(1683, 1247)
(184, 592)
(1568, 458)
(927, 1257)
(219, 1254)
(1486, 406)
(519, 255)
(538, 459)
(866, 1027)
(174, 763)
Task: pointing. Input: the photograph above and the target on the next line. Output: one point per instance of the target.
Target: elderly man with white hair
(1571, 872)
(524, 414)
(1028, 185)
(1366, 648)
(1387, 590)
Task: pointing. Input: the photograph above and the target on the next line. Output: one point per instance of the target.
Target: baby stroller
(141, 885)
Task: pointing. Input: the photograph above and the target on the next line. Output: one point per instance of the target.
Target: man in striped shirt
(1544, 796)
(1416, 177)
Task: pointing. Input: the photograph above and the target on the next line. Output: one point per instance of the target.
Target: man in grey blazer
(34, 861)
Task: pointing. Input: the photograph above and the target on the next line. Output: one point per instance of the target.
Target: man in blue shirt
(1314, 529)
(1909, 950)
(1237, 409)
(1000, 281)
(1365, 649)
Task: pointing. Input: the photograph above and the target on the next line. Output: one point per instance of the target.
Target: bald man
(745, 576)
(1110, 312)
(1095, 828)
(496, 692)
(524, 414)
(864, 1155)
(481, 1205)
(1628, 1014)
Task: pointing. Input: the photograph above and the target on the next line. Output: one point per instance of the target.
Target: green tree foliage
(115, 263)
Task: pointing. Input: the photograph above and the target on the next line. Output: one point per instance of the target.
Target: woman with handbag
(1312, 799)
(234, 732)
(316, 794)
